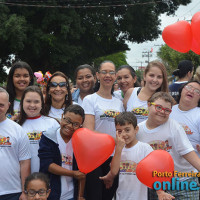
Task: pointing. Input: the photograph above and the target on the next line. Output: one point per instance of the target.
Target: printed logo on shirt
(109, 115)
(127, 167)
(9, 116)
(140, 111)
(187, 129)
(160, 145)
(66, 159)
(5, 141)
(34, 137)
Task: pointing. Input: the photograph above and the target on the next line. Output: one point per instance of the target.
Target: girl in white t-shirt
(155, 79)
(126, 79)
(19, 78)
(100, 111)
(58, 95)
(33, 121)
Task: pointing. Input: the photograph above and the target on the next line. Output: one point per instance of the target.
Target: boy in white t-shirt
(128, 153)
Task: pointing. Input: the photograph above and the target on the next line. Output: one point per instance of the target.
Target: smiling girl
(155, 79)
(19, 78)
(33, 121)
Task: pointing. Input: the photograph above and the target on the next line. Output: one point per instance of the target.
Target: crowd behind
(37, 124)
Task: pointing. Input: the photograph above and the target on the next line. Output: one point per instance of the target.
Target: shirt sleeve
(88, 105)
(46, 153)
(23, 146)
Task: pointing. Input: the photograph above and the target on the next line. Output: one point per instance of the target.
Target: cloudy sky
(134, 56)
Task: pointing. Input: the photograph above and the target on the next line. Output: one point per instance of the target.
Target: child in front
(129, 151)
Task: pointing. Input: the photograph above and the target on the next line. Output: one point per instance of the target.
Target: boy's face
(158, 117)
(70, 122)
(128, 133)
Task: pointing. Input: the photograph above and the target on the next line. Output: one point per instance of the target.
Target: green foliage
(117, 58)
(171, 58)
(61, 39)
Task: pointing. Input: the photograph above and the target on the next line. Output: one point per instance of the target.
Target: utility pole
(147, 54)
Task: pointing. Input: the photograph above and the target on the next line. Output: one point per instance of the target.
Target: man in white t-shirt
(14, 154)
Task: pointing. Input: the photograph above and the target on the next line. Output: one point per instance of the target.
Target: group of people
(36, 131)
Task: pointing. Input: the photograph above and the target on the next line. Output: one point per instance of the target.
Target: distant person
(85, 81)
(14, 154)
(184, 74)
(19, 78)
(197, 74)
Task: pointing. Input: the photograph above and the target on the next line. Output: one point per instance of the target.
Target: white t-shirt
(56, 113)
(129, 186)
(190, 121)
(170, 137)
(14, 147)
(16, 108)
(137, 106)
(34, 128)
(118, 95)
(66, 150)
(104, 111)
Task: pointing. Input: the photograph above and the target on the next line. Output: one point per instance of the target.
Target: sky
(134, 56)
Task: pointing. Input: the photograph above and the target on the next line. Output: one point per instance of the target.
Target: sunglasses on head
(61, 84)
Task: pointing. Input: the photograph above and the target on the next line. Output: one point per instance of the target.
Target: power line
(79, 6)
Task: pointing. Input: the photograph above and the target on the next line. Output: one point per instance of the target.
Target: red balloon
(91, 149)
(158, 160)
(195, 26)
(178, 36)
(195, 47)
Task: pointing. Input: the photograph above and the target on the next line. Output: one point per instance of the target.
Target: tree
(54, 38)
(171, 58)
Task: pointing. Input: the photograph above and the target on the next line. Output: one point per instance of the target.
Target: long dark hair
(181, 88)
(23, 115)
(68, 97)
(10, 86)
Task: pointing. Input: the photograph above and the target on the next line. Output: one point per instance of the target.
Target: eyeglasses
(159, 108)
(105, 72)
(32, 193)
(190, 88)
(75, 125)
(61, 84)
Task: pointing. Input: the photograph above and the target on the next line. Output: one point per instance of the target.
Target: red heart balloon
(91, 149)
(158, 160)
(178, 36)
(195, 47)
(195, 26)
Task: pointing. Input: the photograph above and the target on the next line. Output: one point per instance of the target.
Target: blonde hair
(197, 74)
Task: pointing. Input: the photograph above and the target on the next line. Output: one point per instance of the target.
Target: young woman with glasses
(187, 112)
(155, 79)
(164, 133)
(101, 109)
(58, 95)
